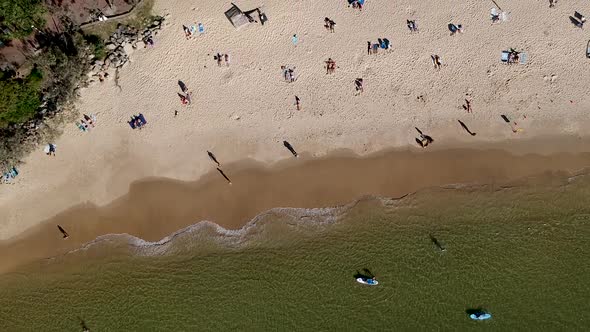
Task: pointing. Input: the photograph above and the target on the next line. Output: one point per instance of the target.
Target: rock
(110, 46)
(98, 63)
(91, 57)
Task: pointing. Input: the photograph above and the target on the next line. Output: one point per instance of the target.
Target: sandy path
(99, 166)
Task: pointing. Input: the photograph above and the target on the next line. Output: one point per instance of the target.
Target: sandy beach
(246, 110)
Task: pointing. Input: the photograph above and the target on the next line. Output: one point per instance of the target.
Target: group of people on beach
(436, 61)
(373, 48)
(185, 95)
(356, 4)
(221, 59)
(192, 30)
(288, 74)
(86, 123)
(329, 24)
(412, 25)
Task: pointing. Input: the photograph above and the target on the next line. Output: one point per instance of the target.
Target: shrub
(18, 17)
(98, 46)
(19, 98)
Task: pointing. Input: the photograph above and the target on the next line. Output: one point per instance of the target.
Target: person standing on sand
(468, 105)
(298, 103)
(369, 48)
(226, 59)
(358, 85)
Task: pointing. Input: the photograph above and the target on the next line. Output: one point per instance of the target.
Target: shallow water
(519, 251)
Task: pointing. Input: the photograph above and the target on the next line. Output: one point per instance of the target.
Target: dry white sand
(246, 110)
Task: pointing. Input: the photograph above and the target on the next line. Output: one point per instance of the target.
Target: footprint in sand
(550, 79)
(226, 77)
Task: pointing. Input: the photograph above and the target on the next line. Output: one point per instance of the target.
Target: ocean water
(519, 251)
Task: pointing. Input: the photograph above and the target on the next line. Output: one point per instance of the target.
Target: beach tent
(237, 17)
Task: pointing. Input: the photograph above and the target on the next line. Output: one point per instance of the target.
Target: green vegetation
(98, 45)
(140, 18)
(18, 17)
(59, 70)
(19, 98)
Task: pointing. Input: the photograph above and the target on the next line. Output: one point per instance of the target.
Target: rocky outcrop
(120, 45)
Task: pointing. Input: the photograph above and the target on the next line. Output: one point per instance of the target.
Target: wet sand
(157, 207)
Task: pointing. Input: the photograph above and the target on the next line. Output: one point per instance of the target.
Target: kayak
(367, 281)
(480, 316)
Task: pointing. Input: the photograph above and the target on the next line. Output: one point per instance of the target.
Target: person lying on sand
(187, 32)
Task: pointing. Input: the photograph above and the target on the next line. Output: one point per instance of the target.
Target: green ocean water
(521, 252)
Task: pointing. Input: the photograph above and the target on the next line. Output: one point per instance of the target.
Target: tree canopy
(18, 17)
(19, 98)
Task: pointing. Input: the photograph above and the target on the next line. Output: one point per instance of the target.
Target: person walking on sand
(329, 24)
(298, 103)
(358, 85)
(226, 56)
(468, 106)
(330, 66)
(436, 61)
(219, 59)
(369, 47)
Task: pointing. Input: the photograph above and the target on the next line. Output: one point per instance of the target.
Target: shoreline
(242, 112)
(158, 207)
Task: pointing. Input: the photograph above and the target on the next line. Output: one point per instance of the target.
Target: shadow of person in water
(471, 311)
(290, 148)
(467, 129)
(83, 325)
(437, 243)
(364, 273)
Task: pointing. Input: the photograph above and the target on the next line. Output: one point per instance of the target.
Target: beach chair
(522, 57)
(201, 28)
